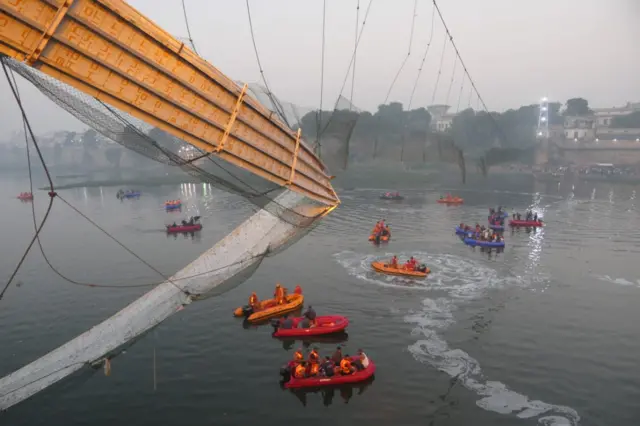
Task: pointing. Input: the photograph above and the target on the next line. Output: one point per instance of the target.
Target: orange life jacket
(300, 371)
(345, 366)
(314, 357)
(253, 300)
(315, 368)
(297, 356)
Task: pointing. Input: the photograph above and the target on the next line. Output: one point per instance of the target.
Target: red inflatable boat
(527, 223)
(184, 228)
(327, 324)
(338, 379)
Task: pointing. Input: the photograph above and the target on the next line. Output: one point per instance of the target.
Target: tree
(90, 139)
(627, 121)
(577, 107)
(113, 156)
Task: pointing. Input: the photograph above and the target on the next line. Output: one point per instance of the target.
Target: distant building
(604, 116)
(441, 121)
(579, 128)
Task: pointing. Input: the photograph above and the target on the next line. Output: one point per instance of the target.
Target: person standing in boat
(310, 314)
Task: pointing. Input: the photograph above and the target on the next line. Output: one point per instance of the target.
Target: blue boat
(132, 194)
(460, 231)
(472, 242)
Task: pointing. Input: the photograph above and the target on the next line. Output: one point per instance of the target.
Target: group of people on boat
(410, 265)
(173, 203)
(25, 195)
(496, 217)
(447, 197)
(482, 233)
(392, 194)
(309, 320)
(529, 216)
(280, 298)
(381, 229)
(192, 221)
(330, 366)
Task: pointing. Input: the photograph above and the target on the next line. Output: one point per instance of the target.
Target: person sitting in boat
(279, 294)
(184, 222)
(337, 356)
(518, 216)
(385, 231)
(362, 362)
(174, 225)
(326, 368)
(297, 289)
(310, 314)
(345, 366)
(314, 357)
(394, 262)
(298, 356)
(313, 369)
(287, 322)
(411, 264)
(535, 217)
(300, 370)
(253, 301)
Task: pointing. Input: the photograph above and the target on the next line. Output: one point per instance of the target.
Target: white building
(579, 128)
(604, 116)
(440, 120)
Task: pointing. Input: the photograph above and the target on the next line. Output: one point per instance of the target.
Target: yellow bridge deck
(108, 50)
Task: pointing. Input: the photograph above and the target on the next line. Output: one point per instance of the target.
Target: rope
(353, 57)
(460, 95)
(52, 193)
(453, 76)
(186, 21)
(355, 45)
(424, 58)
(435, 89)
(276, 104)
(319, 121)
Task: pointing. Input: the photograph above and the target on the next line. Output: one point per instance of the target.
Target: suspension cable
(186, 21)
(319, 121)
(424, 58)
(435, 88)
(52, 193)
(355, 45)
(276, 104)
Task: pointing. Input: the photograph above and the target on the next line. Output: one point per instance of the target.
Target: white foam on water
(459, 280)
(619, 281)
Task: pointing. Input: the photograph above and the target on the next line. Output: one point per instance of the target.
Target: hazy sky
(516, 50)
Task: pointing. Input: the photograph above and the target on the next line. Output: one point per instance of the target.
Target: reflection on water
(328, 393)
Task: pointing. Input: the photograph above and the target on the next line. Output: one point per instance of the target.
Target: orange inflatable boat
(387, 269)
(268, 308)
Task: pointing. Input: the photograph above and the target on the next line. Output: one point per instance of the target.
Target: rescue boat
(317, 381)
(183, 228)
(452, 200)
(268, 308)
(326, 324)
(387, 269)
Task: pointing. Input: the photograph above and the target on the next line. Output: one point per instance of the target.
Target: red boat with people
(25, 196)
(326, 324)
(335, 380)
(191, 226)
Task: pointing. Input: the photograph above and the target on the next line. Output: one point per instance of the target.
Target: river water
(544, 333)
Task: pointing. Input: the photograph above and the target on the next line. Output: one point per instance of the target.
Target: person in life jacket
(298, 356)
(314, 369)
(297, 290)
(253, 300)
(411, 264)
(314, 357)
(345, 366)
(300, 370)
(279, 294)
(394, 262)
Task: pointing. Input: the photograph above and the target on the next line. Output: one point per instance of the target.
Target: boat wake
(619, 281)
(455, 280)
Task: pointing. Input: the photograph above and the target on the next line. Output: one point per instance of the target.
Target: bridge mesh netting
(163, 147)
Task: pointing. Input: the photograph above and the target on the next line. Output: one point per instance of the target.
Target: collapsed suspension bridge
(118, 72)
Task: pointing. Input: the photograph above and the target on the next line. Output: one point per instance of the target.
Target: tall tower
(543, 119)
(542, 133)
